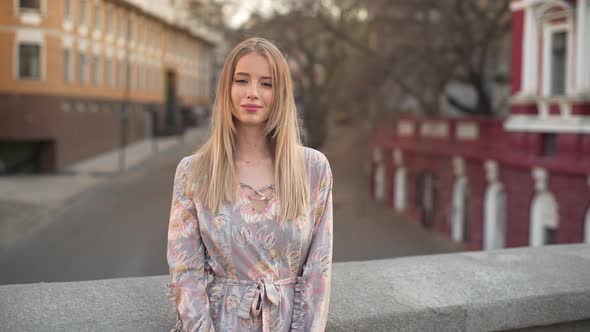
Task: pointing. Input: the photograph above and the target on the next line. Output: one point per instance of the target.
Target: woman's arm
(186, 259)
(312, 291)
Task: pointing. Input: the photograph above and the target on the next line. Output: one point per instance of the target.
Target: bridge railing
(525, 289)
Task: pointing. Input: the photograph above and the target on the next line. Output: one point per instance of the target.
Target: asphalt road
(115, 230)
(118, 229)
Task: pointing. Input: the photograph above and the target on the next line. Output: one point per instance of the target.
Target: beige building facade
(80, 77)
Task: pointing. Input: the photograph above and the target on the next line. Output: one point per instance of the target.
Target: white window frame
(68, 21)
(140, 76)
(109, 19)
(129, 29)
(96, 69)
(30, 16)
(68, 15)
(40, 77)
(108, 69)
(69, 78)
(122, 25)
(97, 19)
(83, 72)
(548, 31)
(83, 24)
(582, 47)
(29, 36)
(119, 73)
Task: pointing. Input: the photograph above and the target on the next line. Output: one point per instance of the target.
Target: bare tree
(476, 30)
(422, 45)
(344, 53)
(321, 64)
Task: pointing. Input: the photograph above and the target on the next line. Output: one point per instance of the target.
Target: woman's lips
(251, 108)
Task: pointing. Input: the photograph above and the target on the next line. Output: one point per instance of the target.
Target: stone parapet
(533, 289)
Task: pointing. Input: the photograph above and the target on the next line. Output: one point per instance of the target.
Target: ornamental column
(583, 48)
(530, 53)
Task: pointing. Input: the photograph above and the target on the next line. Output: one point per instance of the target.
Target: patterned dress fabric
(243, 269)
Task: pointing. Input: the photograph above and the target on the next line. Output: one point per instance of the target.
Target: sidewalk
(135, 154)
(27, 201)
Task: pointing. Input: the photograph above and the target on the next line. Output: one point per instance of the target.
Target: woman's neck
(252, 144)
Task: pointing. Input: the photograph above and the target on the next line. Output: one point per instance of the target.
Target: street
(118, 229)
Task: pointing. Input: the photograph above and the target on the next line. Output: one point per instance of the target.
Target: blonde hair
(214, 169)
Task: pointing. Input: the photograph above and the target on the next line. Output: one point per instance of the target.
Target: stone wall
(522, 289)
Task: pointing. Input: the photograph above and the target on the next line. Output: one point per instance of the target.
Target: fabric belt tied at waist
(255, 299)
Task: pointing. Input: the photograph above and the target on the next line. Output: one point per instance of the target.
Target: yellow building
(75, 75)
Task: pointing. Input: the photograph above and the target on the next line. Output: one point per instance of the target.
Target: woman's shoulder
(190, 160)
(315, 158)
(186, 165)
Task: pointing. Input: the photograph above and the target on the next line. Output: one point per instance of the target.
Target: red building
(516, 181)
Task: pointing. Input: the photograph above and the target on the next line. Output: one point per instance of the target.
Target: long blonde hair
(214, 169)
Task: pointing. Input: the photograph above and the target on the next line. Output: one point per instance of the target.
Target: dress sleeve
(312, 290)
(186, 260)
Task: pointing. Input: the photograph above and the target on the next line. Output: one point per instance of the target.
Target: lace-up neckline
(260, 198)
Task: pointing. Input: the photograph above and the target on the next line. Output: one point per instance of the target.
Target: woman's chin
(250, 122)
(251, 119)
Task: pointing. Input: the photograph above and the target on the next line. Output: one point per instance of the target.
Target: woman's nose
(252, 92)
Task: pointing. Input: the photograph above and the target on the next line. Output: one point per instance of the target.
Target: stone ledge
(523, 288)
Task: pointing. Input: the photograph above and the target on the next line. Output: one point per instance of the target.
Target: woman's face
(252, 90)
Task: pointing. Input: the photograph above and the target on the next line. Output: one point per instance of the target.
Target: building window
(129, 27)
(67, 65)
(140, 78)
(558, 58)
(83, 12)
(120, 73)
(121, 24)
(83, 72)
(67, 10)
(34, 5)
(96, 70)
(138, 34)
(108, 72)
(132, 77)
(97, 16)
(548, 144)
(29, 59)
(109, 23)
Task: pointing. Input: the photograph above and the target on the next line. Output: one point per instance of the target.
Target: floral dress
(243, 269)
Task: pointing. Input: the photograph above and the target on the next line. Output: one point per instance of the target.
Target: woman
(250, 233)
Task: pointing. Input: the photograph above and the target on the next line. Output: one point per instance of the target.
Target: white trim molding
(583, 48)
(587, 222)
(575, 124)
(529, 54)
(67, 41)
(467, 131)
(458, 166)
(30, 16)
(82, 44)
(400, 199)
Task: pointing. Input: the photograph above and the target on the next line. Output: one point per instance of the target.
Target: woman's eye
(267, 84)
(239, 80)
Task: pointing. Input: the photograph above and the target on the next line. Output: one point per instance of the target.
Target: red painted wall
(516, 154)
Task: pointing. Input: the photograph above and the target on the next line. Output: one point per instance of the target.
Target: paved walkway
(26, 201)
